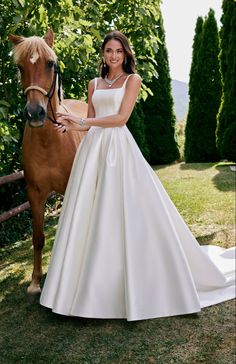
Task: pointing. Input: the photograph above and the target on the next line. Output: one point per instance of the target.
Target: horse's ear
(15, 39)
(49, 38)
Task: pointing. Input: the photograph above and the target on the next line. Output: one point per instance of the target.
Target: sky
(179, 17)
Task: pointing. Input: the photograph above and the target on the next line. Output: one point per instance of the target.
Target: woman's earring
(125, 61)
(104, 62)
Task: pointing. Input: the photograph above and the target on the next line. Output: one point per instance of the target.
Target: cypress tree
(191, 131)
(137, 128)
(226, 127)
(158, 110)
(205, 93)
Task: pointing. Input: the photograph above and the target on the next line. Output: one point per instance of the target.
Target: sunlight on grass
(204, 196)
(31, 334)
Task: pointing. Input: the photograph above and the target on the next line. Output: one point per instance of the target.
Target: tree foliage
(226, 127)
(205, 93)
(158, 109)
(79, 27)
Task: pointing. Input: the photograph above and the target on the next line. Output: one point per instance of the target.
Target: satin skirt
(122, 250)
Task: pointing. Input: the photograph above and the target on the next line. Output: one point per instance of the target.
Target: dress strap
(127, 79)
(95, 83)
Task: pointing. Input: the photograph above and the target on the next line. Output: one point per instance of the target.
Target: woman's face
(114, 54)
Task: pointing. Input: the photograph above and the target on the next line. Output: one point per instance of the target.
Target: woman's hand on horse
(67, 121)
(71, 118)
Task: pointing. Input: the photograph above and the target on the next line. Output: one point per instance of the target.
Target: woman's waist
(106, 130)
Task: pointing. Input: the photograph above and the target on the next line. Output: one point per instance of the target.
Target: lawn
(31, 334)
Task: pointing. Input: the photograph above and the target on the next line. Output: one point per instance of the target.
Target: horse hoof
(34, 290)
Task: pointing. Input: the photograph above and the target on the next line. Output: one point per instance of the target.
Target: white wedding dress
(122, 250)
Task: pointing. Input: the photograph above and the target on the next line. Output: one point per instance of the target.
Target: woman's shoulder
(92, 83)
(95, 78)
(134, 78)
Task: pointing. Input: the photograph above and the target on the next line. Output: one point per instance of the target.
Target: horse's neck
(41, 138)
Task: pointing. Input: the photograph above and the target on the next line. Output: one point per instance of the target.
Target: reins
(49, 94)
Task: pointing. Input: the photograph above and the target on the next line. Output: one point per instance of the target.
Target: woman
(121, 249)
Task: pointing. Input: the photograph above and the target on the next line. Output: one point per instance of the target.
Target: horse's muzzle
(35, 114)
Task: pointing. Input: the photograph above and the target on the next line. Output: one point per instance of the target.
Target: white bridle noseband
(44, 92)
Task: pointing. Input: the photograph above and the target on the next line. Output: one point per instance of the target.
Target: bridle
(49, 94)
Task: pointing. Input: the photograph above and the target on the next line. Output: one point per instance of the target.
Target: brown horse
(47, 154)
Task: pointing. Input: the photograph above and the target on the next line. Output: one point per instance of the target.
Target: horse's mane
(30, 46)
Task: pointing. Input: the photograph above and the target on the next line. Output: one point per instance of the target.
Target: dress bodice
(107, 101)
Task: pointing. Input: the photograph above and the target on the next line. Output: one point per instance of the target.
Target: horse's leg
(37, 201)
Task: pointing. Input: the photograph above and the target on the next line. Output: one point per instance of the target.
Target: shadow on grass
(24, 248)
(162, 166)
(206, 239)
(31, 333)
(19, 227)
(225, 179)
(195, 166)
(16, 228)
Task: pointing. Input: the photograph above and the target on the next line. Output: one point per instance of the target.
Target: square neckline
(108, 89)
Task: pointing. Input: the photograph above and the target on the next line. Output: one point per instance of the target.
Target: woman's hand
(72, 118)
(68, 121)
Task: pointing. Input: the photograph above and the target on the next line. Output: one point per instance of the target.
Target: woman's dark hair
(129, 61)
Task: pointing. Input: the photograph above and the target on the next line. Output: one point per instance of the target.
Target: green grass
(204, 193)
(31, 334)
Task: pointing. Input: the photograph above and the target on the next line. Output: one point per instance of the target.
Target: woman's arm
(69, 123)
(131, 93)
(91, 111)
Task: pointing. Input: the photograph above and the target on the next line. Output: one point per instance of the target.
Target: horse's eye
(50, 64)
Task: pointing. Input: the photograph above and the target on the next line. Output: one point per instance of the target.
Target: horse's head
(37, 64)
